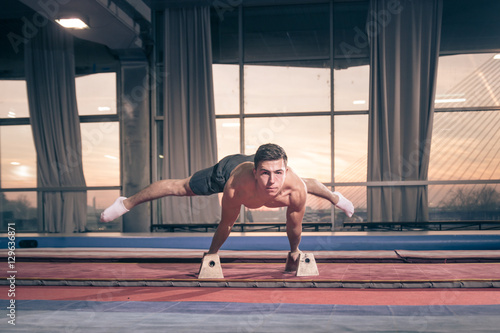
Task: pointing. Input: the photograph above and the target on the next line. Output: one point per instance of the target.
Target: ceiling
(116, 24)
(118, 28)
(124, 28)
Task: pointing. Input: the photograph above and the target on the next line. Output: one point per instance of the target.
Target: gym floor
(386, 283)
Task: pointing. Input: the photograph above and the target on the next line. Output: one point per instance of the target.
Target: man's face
(270, 176)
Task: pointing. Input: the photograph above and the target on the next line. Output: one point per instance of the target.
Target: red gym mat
(364, 275)
(433, 296)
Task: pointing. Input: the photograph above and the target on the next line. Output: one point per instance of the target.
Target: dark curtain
(404, 48)
(50, 79)
(190, 141)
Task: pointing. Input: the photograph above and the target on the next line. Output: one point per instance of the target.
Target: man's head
(269, 152)
(270, 168)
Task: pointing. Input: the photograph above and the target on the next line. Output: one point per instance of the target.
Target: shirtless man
(263, 179)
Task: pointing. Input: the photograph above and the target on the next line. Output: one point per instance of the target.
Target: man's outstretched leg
(159, 189)
(317, 188)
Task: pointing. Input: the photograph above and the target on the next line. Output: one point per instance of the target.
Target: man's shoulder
(297, 188)
(295, 181)
(241, 177)
(240, 184)
(243, 171)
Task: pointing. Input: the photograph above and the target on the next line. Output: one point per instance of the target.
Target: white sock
(114, 211)
(345, 205)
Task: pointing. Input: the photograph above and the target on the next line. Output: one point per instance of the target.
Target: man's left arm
(294, 215)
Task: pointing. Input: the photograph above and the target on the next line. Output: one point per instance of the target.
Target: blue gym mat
(274, 243)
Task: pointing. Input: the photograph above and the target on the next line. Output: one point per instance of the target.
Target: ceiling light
(103, 108)
(72, 23)
(497, 56)
(15, 163)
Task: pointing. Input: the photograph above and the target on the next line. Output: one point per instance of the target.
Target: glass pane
(465, 145)
(468, 80)
(228, 137)
(351, 88)
(318, 210)
(101, 153)
(13, 99)
(351, 148)
(18, 157)
(226, 89)
(97, 201)
(464, 202)
(357, 195)
(305, 139)
(19, 208)
(278, 89)
(96, 94)
(286, 32)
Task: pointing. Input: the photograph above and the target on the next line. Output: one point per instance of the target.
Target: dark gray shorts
(212, 180)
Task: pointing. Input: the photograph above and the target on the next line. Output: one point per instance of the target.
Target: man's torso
(241, 186)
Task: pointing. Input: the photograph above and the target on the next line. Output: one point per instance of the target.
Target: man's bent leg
(317, 188)
(159, 189)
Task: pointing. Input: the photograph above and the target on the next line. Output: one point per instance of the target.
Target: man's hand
(292, 261)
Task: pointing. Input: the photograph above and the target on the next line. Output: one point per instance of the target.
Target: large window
(465, 152)
(281, 75)
(20, 195)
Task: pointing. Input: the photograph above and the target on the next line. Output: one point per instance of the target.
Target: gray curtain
(404, 45)
(190, 141)
(50, 79)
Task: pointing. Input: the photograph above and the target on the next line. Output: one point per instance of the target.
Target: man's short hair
(269, 152)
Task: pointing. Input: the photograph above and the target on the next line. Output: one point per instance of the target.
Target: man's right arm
(229, 214)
